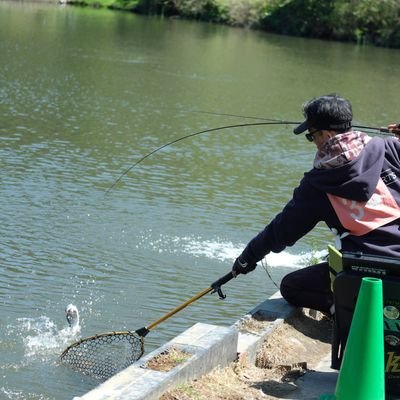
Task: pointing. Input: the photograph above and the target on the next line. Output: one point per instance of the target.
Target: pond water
(84, 94)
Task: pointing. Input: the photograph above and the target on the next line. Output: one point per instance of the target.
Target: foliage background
(374, 22)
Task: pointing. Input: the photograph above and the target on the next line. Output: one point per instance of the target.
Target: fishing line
(264, 264)
(192, 135)
(234, 115)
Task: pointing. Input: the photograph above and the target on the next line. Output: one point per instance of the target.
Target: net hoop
(103, 355)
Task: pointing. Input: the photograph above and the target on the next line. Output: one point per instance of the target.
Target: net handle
(215, 287)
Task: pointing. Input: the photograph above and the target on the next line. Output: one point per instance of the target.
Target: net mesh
(104, 355)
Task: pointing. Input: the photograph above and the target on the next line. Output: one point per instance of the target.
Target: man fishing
(353, 186)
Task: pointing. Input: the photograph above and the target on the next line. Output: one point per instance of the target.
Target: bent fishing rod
(268, 121)
(190, 135)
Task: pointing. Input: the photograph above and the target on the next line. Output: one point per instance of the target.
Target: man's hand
(241, 266)
(394, 128)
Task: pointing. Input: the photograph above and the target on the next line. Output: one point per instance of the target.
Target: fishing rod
(380, 130)
(270, 121)
(273, 122)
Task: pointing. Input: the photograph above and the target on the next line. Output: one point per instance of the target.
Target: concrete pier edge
(209, 346)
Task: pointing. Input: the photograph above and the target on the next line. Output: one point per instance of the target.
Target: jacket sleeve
(298, 217)
(393, 151)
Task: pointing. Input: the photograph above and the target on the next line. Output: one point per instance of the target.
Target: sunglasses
(311, 135)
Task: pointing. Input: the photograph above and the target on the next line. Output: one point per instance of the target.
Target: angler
(344, 189)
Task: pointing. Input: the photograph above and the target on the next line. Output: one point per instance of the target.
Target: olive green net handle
(101, 356)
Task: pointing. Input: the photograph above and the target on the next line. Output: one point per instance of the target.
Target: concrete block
(267, 315)
(276, 307)
(209, 345)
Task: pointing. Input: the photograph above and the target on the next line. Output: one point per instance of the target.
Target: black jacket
(310, 204)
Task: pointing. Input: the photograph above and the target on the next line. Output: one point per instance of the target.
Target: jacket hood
(355, 180)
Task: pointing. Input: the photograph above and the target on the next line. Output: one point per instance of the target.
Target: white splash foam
(20, 395)
(227, 251)
(41, 337)
(288, 260)
(214, 249)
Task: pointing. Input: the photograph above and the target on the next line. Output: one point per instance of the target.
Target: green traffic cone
(362, 374)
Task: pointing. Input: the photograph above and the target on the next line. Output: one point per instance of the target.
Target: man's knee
(287, 288)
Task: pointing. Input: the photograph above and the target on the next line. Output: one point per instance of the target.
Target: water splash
(213, 249)
(227, 251)
(20, 395)
(285, 259)
(42, 339)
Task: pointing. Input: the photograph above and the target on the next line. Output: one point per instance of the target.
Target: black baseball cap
(330, 112)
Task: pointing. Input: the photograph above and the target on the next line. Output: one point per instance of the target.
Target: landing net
(104, 355)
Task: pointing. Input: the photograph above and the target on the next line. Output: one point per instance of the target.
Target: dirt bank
(294, 348)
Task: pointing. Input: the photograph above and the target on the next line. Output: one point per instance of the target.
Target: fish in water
(72, 315)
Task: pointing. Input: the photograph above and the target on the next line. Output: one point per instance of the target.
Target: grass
(168, 360)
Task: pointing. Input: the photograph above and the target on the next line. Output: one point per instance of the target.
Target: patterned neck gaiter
(341, 149)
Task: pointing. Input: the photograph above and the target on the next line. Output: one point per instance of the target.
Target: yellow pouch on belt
(335, 263)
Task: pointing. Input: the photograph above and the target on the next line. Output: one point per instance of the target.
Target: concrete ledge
(318, 382)
(270, 313)
(210, 346)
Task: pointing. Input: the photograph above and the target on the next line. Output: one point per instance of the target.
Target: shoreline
(353, 23)
(275, 345)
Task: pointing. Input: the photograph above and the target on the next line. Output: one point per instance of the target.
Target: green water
(86, 93)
